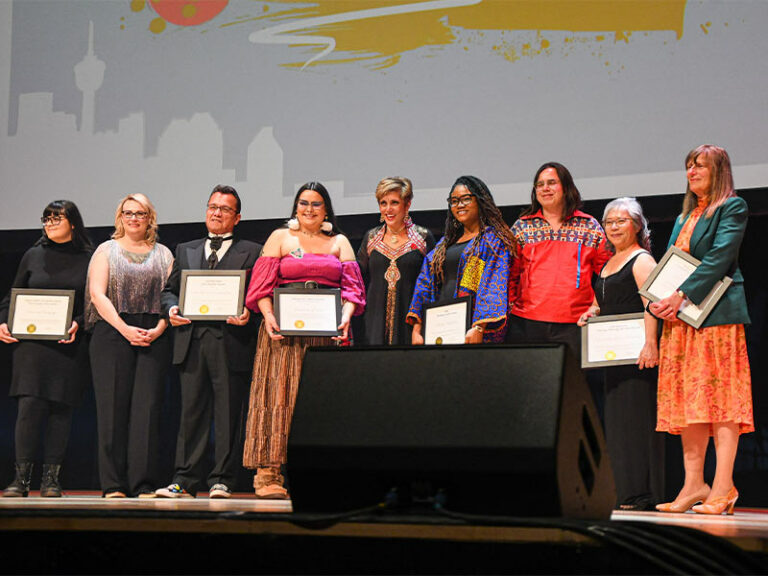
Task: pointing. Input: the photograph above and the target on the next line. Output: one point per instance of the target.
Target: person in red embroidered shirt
(560, 248)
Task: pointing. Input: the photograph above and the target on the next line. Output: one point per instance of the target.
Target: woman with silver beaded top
(390, 259)
(130, 351)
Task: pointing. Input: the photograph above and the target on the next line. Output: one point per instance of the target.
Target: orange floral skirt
(704, 377)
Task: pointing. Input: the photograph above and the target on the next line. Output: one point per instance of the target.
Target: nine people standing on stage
(47, 379)
(214, 359)
(561, 249)
(535, 282)
(130, 350)
(472, 259)
(390, 258)
(704, 384)
(636, 449)
(308, 252)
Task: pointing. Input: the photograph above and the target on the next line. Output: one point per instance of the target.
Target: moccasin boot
(268, 484)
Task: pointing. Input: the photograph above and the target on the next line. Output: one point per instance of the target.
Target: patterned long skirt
(704, 377)
(276, 373)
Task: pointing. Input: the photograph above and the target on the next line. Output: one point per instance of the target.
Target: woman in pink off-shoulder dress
(308, 252)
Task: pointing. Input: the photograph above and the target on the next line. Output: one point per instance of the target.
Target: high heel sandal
(719, 505)
(684, 506)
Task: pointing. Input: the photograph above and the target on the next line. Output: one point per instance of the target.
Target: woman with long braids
(472, 259)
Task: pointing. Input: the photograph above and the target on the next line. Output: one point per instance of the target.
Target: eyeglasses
(465, 200)
(51, 220)
(542, 183)
(225, 210)
(618, 222)
(130, 215)
(305, 204)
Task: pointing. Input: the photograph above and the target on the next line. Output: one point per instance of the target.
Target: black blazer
(240, 341)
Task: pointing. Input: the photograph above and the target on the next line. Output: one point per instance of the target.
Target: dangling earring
(326, 226)
(381, 217)
(293, 224)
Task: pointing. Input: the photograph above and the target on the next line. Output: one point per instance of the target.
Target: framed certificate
(211, 294)
(671, 271)
(612, 340)
(40, 314)
(308, 311)
(447, 321)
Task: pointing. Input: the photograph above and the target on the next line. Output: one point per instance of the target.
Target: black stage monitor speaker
(502, 430)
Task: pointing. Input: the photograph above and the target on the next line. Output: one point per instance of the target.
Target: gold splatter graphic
(379, 31)
(189, 11)
(138, 5)
(157, 26)
(705, 27)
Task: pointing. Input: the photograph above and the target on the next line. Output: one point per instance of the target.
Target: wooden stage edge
(245, 514)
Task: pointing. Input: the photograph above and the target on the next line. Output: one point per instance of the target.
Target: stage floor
(244, 513)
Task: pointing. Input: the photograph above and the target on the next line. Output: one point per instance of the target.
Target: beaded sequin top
(135, 280)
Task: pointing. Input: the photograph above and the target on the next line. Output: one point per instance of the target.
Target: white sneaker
(219, 491)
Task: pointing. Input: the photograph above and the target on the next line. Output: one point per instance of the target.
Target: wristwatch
(681, 294)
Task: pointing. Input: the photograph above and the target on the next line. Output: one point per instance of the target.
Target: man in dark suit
(214, 359)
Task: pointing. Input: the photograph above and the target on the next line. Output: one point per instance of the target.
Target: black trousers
(129, 382)
(524, 331)
(209, 389)
(40, 418)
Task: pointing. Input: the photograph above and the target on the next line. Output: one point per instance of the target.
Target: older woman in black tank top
(636, 450)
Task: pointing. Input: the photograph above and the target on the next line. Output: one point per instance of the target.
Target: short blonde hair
(151, 234)
(395, 184)
(721, 177)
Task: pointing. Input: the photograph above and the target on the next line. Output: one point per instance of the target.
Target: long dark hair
(68, 209)
(329, 215)
(490, 216)
(570, 192)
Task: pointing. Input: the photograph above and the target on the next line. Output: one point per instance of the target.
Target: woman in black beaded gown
(635, 448)
(390, 259)
(49, 377)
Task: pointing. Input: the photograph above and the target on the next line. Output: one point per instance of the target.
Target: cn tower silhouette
(89, 74)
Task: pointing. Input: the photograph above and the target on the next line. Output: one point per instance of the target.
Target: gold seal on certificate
(211, 294)
(447, 321)
(612, 340)
(40, 314)
(672, 270)
(308, 311)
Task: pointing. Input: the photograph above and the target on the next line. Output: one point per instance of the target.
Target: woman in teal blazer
(704, 378)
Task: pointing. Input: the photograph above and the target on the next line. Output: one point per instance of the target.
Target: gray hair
(635, 212)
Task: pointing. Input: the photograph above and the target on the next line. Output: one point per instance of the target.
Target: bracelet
(478, 328)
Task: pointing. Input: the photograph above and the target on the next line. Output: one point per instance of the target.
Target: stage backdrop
(99, 99)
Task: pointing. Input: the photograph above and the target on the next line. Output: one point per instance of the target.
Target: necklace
(310, 234)
(395, 235)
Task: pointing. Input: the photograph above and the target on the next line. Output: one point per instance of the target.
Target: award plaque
(40, 314)
(612, 340)
(308, 311)
(447, 321)
(211, 294)
(672, 270)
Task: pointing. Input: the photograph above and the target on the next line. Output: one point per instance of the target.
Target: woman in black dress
(49, 377)
(390, 258)
(635, 448)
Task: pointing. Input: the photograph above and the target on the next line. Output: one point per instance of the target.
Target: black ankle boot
(20, 485)
(49, 486)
